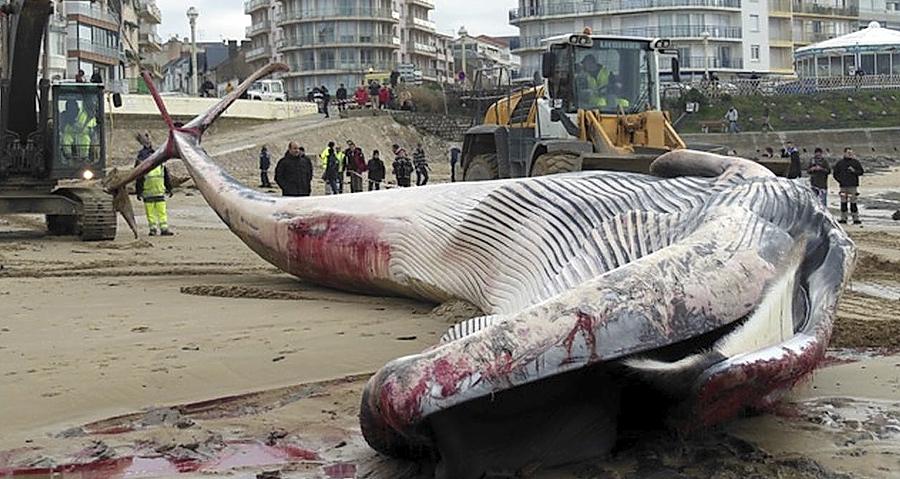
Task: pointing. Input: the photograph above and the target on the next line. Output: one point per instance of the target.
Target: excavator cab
(79, 144)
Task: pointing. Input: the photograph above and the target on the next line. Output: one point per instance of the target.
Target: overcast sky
(225, 19)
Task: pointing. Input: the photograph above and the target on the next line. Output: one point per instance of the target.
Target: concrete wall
(143, 105)
(867, 142)
(450, 128)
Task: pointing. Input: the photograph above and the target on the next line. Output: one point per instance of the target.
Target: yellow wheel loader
(598, 109)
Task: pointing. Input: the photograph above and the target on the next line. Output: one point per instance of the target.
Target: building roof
(873, 37)
(497, 42)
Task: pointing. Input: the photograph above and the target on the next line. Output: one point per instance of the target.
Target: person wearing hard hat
(595, 78)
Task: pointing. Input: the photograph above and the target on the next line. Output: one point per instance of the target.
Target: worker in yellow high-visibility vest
(77, 132)
(152, 189)
(596, 79)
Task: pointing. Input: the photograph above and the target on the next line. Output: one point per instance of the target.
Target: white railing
(423, 23)
(802, 86)
(253, 5)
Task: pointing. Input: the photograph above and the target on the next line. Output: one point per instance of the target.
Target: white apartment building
(726, 36)
(329, 42)
(484, 53)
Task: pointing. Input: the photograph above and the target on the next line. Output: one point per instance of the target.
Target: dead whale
(701, 290)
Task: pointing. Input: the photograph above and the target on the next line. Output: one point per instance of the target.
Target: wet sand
(186, 348)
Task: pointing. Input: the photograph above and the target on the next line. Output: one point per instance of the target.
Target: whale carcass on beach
(690, 295)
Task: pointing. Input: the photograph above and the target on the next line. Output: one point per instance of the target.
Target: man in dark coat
(847, 172)
(790, 151)
(421, 165)
(294, 172)
(818, 170)
(376, 171)
(402, 167)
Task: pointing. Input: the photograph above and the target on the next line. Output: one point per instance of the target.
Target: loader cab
(603, 74)
(79, 142)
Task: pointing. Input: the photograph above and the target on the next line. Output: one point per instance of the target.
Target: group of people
(846, 172)
(294, 171)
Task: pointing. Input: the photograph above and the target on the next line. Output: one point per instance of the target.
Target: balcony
(423, 24)
(90, 10)
(429, 4)
(86, 46)
(251, 6)
(260, 53)
(149, 11)
(818, 10)
(312, 68)
(805, 38)
(713, 63)
(780, 8)
(313, 41)
(151, 41)
(718, 32)
(258, 28)
(422, 49)
(587, 8)
(360, 13)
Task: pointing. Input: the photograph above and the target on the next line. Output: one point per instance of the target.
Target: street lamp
(463, 34)
(705, 35)
(192, 15)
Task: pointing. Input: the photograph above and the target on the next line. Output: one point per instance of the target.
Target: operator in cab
(77, 131)
(599, 84)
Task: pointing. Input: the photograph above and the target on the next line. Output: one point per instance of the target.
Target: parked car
(267, 90)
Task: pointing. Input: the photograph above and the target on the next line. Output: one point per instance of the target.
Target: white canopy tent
(873, 50)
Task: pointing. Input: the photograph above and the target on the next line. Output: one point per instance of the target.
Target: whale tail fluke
(195, 127)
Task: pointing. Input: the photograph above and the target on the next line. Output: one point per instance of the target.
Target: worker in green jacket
(152, 189)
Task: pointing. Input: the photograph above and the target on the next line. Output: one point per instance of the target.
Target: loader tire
(556, 162)
(482, 168)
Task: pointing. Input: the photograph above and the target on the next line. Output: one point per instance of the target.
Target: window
(754, 23)
(754, 53)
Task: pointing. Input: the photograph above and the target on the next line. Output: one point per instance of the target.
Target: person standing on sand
(790, 151)
(152, 189)
(376, 171)
(818, 175)
(421, 165)
(847, 172)
(402, 167)
(355, 165)
(265, 162)
(294, 172)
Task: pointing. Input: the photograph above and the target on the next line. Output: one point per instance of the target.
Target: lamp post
(192, 15)
(463, 34)
(705, 35)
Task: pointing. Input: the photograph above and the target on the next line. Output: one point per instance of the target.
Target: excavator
(598, 108)
(52, 137)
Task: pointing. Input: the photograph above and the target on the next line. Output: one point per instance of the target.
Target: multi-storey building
(265, 35)
(885, 12)
(487, 54)
(333, 42)
(329, 42)
(93, 38)
(721, 35)
(149, 43)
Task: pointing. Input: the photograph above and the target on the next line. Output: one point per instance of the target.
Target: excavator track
(97, 221)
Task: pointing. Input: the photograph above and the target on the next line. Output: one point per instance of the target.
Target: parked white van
(267, 90)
